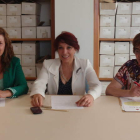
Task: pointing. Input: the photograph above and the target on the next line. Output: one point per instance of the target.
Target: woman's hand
(85, 101)
(134, 91)
(6, 93)
(37, 100)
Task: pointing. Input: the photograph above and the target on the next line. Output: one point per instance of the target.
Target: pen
(137, 83)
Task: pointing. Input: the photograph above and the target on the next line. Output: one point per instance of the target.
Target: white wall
(76, 16)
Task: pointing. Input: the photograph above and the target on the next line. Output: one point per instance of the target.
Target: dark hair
(68, 38)
(136, 41)
(8, 51)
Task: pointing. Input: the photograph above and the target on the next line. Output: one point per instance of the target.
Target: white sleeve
(40, 83)
(95, 87)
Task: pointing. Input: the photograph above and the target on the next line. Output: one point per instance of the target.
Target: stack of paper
(130, 103)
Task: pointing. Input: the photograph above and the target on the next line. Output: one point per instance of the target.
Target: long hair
(8, 51)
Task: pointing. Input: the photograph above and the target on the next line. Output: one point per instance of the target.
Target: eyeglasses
(137, 51)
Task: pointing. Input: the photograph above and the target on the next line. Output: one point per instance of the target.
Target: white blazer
(49, 77)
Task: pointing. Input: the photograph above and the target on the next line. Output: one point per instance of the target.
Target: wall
(76, 16)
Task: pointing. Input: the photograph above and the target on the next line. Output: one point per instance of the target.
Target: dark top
(65, 89)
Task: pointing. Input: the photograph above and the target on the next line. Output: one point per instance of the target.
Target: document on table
(65, 102)
(2, 102)
(130, 103)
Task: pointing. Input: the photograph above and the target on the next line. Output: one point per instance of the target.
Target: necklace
(61, 73)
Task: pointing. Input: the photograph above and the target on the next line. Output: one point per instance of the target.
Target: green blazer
(14, 79)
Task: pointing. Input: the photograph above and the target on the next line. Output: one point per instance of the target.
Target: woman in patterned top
(123, 83)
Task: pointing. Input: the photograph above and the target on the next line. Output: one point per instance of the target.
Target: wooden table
(103, 121)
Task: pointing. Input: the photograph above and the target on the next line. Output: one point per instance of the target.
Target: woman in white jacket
(66, 75)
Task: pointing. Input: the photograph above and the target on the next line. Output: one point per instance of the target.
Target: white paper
(130, 103)
(65, 102)
(2, 102)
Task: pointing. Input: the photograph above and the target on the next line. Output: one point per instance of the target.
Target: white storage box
(38, 68)
(106, 72)
(107, 21)
(30, 84)
(104, 86)
(106, 60)
(120, 59)
(131, 49)
(135, 20)
(122, 32)
(18, 56)
(2, 21)
(2, 9)
(134, 31)
(136, 8)
(30, 20)
(43, 32)
(116, 68)
(14, 32)
(107, 8)
(123, 20)
(13, 21)
(132, 57)
(17, 48)
(124, 8)
(13, 9)
(28, 60)
(28, 32)
(107, 47)
(122, 47)
(29, 71)
(31, 8)
(107, 32)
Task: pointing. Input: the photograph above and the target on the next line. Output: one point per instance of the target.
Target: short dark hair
(68, 38)
(136, 41)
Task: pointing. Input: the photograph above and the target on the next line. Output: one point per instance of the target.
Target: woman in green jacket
(12, 79)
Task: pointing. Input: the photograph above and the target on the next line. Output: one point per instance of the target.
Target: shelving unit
(97, 39)
(52, 3)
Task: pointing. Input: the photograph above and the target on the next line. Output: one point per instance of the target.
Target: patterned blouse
(128, 72)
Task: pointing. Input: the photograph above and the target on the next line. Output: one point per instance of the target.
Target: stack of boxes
(117, 20)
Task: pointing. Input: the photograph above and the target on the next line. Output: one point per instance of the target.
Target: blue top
(1, 84)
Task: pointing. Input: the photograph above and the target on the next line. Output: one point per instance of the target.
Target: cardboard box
(136, 8)
(43, 32)
(29, 71)
(124, 8)
(2, 21)
(13, 9)
(38, 68)
(122, 32)
(30, 20)
(122, 47)
(131, 49)
(104, 86)
(132, 57)
(134, 31)
(28, 60)
(107, 47)
(28, 32)
(116, 68)
(107, 8)
(30, 84)
(123, 20)
(107, 21)
(13, 21)
(120, 59)
(2, 9)
(14, 32)
(135, 20)
(17, 48)
(106, 60)
(106, 72)
(31, 8)
(107, 32)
